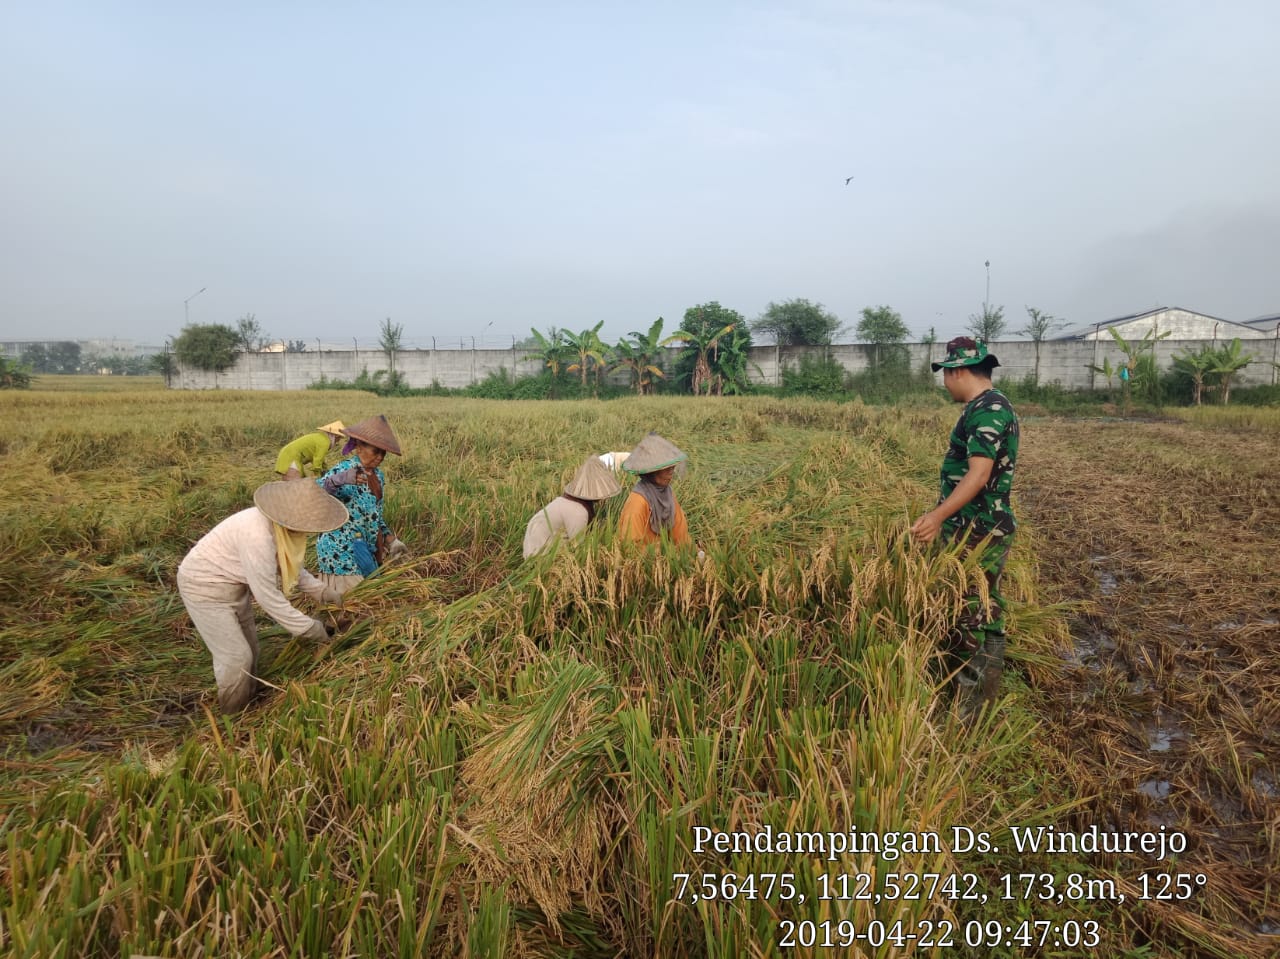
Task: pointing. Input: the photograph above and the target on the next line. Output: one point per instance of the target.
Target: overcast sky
(483, 170)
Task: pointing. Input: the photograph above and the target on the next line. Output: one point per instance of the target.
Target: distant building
(1268, 324)
(113, 346)
(1180, 324)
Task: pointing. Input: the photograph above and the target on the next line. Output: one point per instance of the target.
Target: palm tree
(700, 343)
(1227, 362)
(640, 355)
(587, 348)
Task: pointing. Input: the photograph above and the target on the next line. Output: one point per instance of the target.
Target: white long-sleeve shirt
(241, 551)
(560, 516)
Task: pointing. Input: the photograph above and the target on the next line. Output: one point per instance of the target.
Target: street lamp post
(186, 310)
(987, 301)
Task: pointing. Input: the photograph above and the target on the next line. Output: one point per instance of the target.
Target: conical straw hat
(593, 480)
(333, 429)
(375, 431)
(653, 453)
(300, 505)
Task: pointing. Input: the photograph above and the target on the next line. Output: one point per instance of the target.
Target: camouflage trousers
(973, 651)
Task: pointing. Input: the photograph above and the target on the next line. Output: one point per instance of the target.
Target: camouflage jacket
(987, 427)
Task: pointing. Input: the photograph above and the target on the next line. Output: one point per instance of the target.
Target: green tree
(587, 349)
(14, 375)
(1195, 367)
(988, 324)
(884, 328)
(161, 363)
(703, 323)
(390, 336)
(1039, 325)
(36, 358)
(1107, 370)
(1228, 360)
(252, 336)
(61, 357)
(549, 349)
(295, 346)
(640, 355)
(798, 323)
(1144, 377)
(700, 333)
(733, 358)
(207, 346)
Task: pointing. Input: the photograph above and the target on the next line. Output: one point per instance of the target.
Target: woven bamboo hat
(593, 480)
(375, 431)
(299, 505)
(653, 453)
(333, 429)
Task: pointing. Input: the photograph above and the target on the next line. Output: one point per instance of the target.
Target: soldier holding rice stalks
(974, 510)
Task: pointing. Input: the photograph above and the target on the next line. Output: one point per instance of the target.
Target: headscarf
(291, 553)
(661, 500)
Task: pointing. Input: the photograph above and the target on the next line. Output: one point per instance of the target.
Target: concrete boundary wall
(1064, 362)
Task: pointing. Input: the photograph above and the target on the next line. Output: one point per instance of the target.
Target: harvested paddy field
(1164, 534)
(505, 758)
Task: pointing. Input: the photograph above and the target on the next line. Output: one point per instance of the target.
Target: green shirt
(311, 448)
(988, 427)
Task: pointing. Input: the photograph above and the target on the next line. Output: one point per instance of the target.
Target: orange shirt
(633, 524)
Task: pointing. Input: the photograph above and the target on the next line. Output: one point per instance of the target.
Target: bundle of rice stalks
(535, 808)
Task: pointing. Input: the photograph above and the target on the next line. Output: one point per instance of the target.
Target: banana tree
(1107, 370)
(701, 344)
(639, 354)
(1227, 362)
(587, 348)
(1141, 375)
(551, 350)
(731, 378)
(1196, 366)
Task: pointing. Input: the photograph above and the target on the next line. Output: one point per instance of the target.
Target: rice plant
(505, 758)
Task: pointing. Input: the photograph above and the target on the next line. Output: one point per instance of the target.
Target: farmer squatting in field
(569, 514)
(308, 451)
(651, 510)
(237, 562)
(974, 510)
(347, 555)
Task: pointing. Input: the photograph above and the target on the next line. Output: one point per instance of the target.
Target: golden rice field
(499, 758)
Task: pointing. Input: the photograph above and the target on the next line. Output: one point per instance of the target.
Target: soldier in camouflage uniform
(973, 509)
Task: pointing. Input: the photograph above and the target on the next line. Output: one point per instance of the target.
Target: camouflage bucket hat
(963, 351)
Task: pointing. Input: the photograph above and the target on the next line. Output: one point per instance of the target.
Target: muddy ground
(1167, 538)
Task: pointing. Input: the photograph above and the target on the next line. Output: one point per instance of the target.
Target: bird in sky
(847, 179)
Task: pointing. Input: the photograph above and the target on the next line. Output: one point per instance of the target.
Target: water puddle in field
(1091, 647)
(1162, 737)
(1156, 788)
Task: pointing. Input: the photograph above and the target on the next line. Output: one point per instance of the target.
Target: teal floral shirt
(354, 486)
